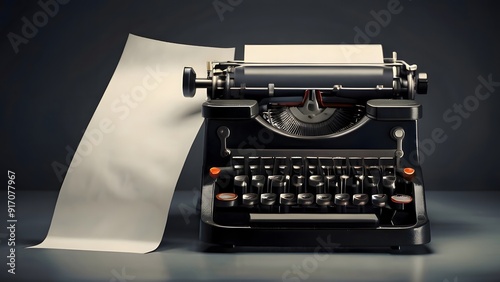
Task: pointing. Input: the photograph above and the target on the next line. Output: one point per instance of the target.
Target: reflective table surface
(465, 246)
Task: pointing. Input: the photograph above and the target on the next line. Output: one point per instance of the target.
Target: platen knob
(422, 83)
(189, 82)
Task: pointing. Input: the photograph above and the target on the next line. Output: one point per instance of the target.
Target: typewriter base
(230, 236)
(333, 238)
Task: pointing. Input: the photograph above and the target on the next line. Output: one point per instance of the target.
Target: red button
(214, 172)
(409, 171)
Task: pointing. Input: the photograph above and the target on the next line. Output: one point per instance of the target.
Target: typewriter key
(277, 184)
(323, 199)
(379, 200)
(287, 199)
(305, 199)
(297, 184)
(268, 199)
(314, 179)
(214, 172)
(226, 199)
(317, 184)
(389, 184)
(408, 173)
(359, 199)
(254, 165)
(353, 185)
(399, 201)
(371, 185)
(258, 183)
(250, 199)
(240, 184)
(342, 199)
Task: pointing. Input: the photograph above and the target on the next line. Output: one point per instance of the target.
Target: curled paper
(117, 192)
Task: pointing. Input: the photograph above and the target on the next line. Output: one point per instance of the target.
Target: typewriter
(298, 151)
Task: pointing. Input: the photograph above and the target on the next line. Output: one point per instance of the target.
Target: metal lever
(223, 133)
(398, 134)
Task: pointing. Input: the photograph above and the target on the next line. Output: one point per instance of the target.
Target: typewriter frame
(233, 125)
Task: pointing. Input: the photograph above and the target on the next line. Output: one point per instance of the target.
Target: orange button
(214, 172)
(409, 171)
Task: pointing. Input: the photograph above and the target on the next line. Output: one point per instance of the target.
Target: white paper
(368, 54)
(117, 193)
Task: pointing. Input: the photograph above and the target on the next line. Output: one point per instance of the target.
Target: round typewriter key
(287, 199)
(323, 199)
(250, 199)
(226, 199)
(399, 201)
(379, 200)
(342, 199)
(214, 172)
(317, 184)
(268, 199)
(389, 181)
(314, 179)
(360, 199)
(305, 199)
(240, 180)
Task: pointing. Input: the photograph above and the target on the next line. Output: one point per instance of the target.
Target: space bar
(365, 218)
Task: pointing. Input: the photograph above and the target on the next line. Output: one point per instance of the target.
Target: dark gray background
(52, 85)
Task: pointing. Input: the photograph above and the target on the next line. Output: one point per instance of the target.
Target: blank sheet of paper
(117, 192)
(333, 53)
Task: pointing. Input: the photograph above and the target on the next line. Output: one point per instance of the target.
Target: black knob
(189, 82)
(422, 83)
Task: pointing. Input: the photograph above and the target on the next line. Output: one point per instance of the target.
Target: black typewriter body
(297, 152)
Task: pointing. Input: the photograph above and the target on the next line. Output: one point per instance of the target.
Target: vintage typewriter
(294, 152)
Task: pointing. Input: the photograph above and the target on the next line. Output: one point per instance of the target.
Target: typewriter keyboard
(313, 192)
